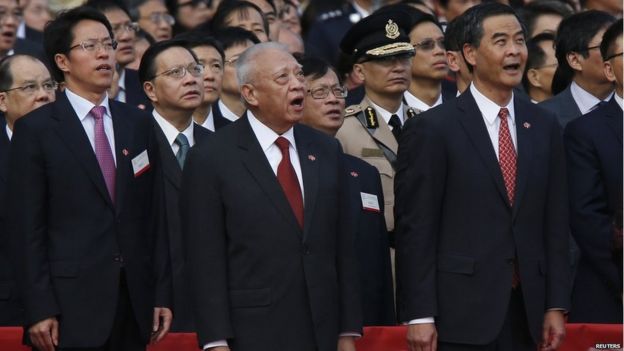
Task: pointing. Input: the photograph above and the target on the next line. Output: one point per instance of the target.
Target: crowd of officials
(277, 174)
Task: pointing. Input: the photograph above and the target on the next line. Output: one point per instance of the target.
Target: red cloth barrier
(580, 337)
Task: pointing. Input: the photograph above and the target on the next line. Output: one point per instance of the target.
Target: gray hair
(245, 63)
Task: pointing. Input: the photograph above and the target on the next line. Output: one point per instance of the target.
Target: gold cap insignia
(392, 30)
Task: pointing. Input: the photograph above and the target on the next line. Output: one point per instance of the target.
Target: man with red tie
(270, 262)
(481, 208)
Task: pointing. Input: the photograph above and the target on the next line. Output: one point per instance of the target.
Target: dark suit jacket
(594, 149)
(563, 107)
(69, 239)
(135, 95)
(34, 35)
(11, 313)
(27, 47)
(324, 36)
(169, 222)
(219, 120)
(456, 232)
(257, 279)
(371, 244)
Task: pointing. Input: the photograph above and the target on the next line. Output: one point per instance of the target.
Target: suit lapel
(4, 151)
(613, 114)
(472, 121)
(217, 115)
(310, 175)
(73, 134)
(524, 140)
(258, 166)
(123, 141)
(170, 165)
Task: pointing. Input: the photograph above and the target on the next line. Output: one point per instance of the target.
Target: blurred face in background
(324, 104)
(230, 84)
(155, 19)
(430, 55)
(269, 13)
(36, 14)
(10, 17)
(125, 34)
(210, 58)
(546, 23)
(192, 13)
(250, 20)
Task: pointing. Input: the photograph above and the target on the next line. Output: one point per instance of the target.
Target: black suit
(27, 47)
(10, 309)
(594, 149)
(257, 279)
(457, 235)
(34, 35)
(135, 95)
(563, 106)
(72, 243)
(372, 248)
(169, 217)
(217, 115)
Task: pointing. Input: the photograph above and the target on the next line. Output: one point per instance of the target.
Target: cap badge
(392, 30)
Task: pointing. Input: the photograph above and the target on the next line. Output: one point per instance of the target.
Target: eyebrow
(502, 34)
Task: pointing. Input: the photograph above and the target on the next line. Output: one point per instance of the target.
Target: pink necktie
(287, 178)
(103, 151)
(507, 155)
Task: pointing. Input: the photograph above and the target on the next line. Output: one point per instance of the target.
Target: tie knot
(395, 121)
(98, 112)
(181, 140)
(283, 144)
(503, 113)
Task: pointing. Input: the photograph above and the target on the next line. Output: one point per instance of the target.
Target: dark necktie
(395, 123)
(103, 151)
(287, 178)
(183, 143)
(506, 155)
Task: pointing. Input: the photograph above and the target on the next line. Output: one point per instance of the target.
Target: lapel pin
(527, 125)
(141, 106)
(125, 152)
(354, 174)
(311, 157)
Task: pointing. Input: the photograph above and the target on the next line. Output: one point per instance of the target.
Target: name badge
(370, 202)
(140, 164)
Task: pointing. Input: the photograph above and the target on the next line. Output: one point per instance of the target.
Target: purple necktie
(103, 151)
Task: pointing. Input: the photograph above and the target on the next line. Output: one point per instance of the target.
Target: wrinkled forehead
(501, 24)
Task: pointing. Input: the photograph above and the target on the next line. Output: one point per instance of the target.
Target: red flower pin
(311, 157)
(527, 125)
(354, 174)
(125, 152)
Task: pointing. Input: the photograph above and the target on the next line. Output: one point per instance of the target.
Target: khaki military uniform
(360, 134)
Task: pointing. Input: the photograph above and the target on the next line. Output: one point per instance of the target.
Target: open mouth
(297, 103)
(9, 34)
(104, 68)
(512, 68)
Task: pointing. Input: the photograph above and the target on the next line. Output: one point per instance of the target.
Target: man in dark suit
(11, 44)
(270, 260)
(91, 274)
(594, 149)
(481, 208)
(172, 79)
(324, 110)
(25, 84)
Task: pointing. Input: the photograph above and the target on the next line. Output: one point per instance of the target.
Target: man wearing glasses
(153, 17)
(383, 56)
(92, 276)
(10, 17)
(173, 80)
(25, 84)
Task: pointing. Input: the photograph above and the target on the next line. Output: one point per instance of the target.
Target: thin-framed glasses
(48, 86)
(94, 45)
(231, 61)
(614, 56)
(323, 92)
(130, 27)
(429, 44)
(156, 17)
(590, 48)
(194, 69)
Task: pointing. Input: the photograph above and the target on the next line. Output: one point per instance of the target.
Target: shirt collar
(618, 99)
(266, 136)
(10, 132)
(417, 103)
(226, 112)
(489, 109)
(171, 132)
(122, 80)
(21, 30)
(584, 99)
(209, 122)
(387, 114)
(83, 106)
(360, 10)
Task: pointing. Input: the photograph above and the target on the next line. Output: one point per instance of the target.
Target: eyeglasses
(130, 27)
(16, 14)
(429, 44)
(156, 17)
(614, 56)
(195, 69)
(323, 92)
(590, 48)
(556, 64)
(31, 88)
(94, 45)
(232, 60)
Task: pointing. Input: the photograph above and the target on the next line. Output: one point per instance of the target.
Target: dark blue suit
(217, 115)
(371, 244)
(135, 95)
(562, 106)
(594, 149)
(324, 36)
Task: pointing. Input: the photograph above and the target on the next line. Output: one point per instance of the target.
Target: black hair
(133, 8)
(476, 15)
(609, 39)
(536, 55)
(454, 36)
(315, 68)
(533, 10)
(108, 5)
(197, 38)
(227, 8)
(232, 36)
(147, 68)
(58, 34)
(141, 34)
(416, 16)
(416, 2)
(574, 34)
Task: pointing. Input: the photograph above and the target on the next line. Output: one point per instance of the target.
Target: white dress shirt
(585, 101)
(226, 112)
(417, 103)
(618, 99)
(121, 93)
(208, 122)
(10, 132)
(171, 132)
(386, 115)
(82, 107)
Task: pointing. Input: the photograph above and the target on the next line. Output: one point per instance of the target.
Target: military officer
(383, 56)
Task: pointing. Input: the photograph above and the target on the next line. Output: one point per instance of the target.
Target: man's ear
(3, 102)
(62, 62)
(249, 94)
(574, 61)
(451, 58)
(358, 71)
(533, 77)
(149, 89)
(608, 71)
(470, 54)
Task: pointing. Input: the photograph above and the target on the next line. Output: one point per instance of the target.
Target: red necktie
(288, 180)
(506, 155)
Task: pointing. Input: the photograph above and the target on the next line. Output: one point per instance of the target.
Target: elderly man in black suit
(594, 149)
(80, 184)
(481, 208)
(270, 259)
